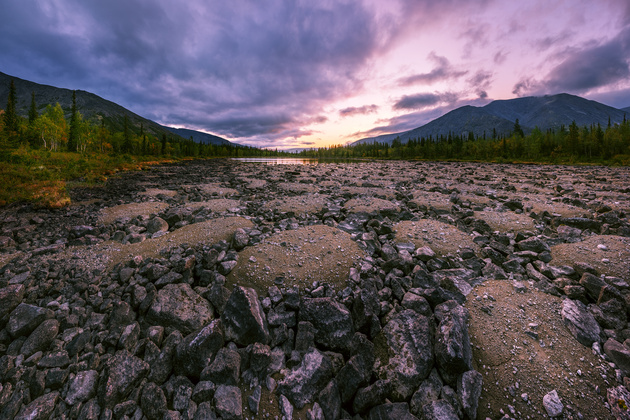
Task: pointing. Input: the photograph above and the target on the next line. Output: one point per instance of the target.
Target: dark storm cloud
(443, 71)
(424, 100)
(584, 69)
(162, 58)
(360, 110)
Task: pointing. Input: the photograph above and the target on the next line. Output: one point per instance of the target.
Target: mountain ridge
(93, 108)
(544, 112)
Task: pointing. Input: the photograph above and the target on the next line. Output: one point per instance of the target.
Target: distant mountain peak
(544, 112)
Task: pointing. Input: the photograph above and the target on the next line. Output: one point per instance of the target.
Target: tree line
(56, 130)
(572, 144)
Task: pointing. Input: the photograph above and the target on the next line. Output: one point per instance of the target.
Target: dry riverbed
(370, 289)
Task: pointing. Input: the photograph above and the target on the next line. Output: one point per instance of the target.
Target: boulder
(452, 344)
(404, 350)
(391, 411)
(332, 321)
(153, 401)
(243, 318)
(40, 408)
(157, 224)
(178, 306)
(121, 375)
(82, 387)
(439, 410)
(40, 339)
(553, 405)
(228, 402)
(619, 354)
(225, 369)
(25, 318)
(198, 349)
(301, 384)
(469, 387)
(580, 322)
(10, 297)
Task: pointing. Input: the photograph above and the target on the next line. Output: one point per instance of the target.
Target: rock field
(365, 290)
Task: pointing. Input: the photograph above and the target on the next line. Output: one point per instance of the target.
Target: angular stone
(364, 309)
(553, 405)
(592, 284)
(153, 401)
(469, 388)
(243, 318)
(619, 354)
(40, 408)
(10, 297)
(228, 402)
(178, 306)
(580, 322)
(428, 392)
(452, 344)
(416, 303)
(225, 369)
(25, 318)
(122, 373)
(329, 400)
(372, 395)
(439, 410)
(404, 350)
(198, 349)
(533, 244)
(331, 319)
(82, 387)
(392, 411)
(40, 339)
(240, 239)
(157, 224)
(301, 384)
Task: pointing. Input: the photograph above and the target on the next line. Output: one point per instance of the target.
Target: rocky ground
(378, 290)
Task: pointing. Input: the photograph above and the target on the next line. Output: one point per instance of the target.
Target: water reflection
(279, 161)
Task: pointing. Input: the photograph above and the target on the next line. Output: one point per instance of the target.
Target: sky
(302, 73)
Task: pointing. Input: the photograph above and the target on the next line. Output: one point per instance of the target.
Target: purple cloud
(443, 71)
(425, 100)
(361, 110)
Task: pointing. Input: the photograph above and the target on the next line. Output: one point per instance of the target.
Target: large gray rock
(404, 350)
(82, 387)
(301, 384)
(10, 297)
(153, 401)
(25, 318)
(332, 321)
(198, 349)
(533, 244)
(553, 405)
(178, 306)
(428, 392)
(243, 318)
(122, 373)
(40, 339)
(40, 408)
(439, 410)
(391, 411)
(619, 354)
(469, 390)
(157, 224)
(225, 369)
(452, 345)
(372, 395)
(580, 322)
(228, 402)
(592, 284)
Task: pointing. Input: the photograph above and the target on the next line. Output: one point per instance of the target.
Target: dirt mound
(111, 214)
(609, 254)
(524, 351)
(297, 257)
(442, 238)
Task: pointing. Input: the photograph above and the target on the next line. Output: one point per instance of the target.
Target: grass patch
(43, 177)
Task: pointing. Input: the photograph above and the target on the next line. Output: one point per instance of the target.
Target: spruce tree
(32, 111)
(73, 138)
(10, 115)
(127, 146)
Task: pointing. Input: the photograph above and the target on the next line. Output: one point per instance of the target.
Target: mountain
(544, 112)
(93, 108)
(627, 109)
(201, 137)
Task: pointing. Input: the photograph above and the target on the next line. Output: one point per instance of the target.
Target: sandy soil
(110, 214)
(442, 238)
(609, 254)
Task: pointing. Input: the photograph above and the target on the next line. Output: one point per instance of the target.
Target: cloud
(424, 100)
(481, 82)
(443, 71)
(591, 67)
(361, 110)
